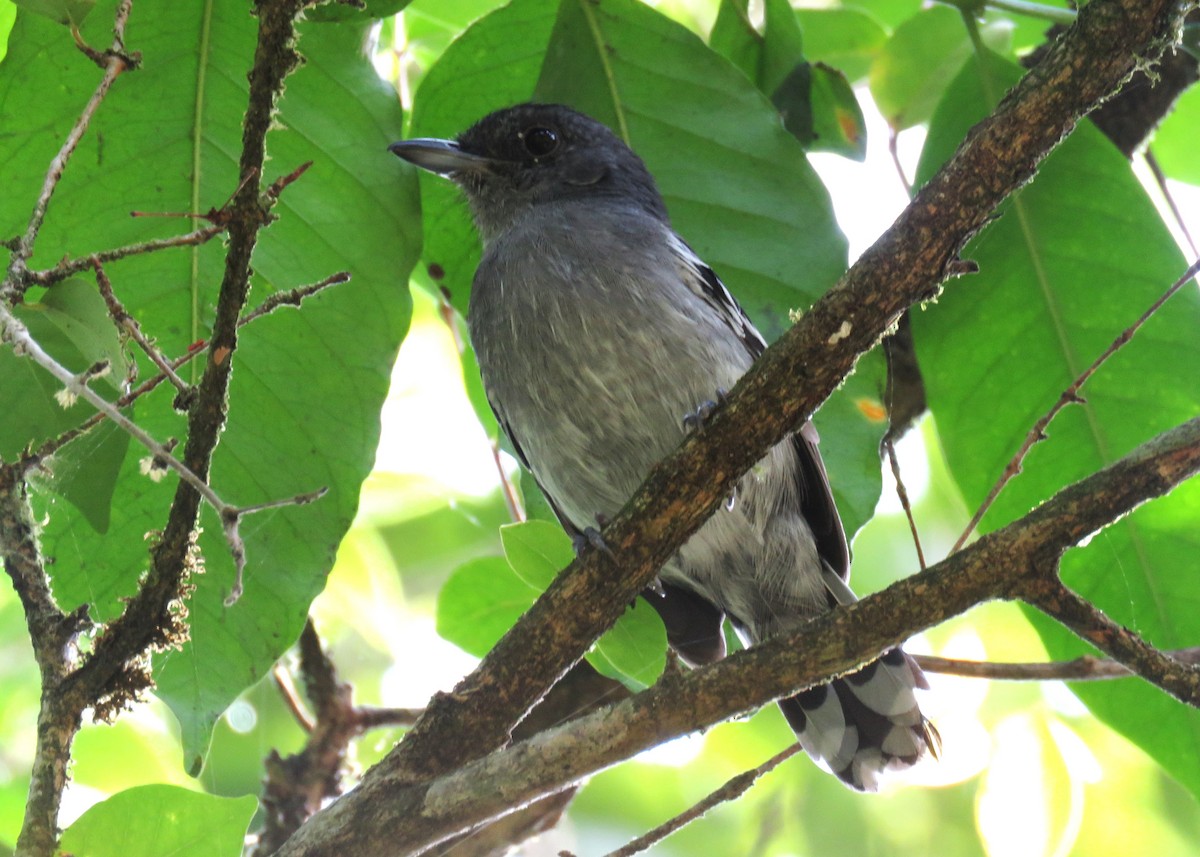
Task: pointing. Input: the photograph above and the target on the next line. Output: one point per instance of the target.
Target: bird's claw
(590, 537)
(700, 416)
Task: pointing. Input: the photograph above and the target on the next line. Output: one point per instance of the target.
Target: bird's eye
(539, 141)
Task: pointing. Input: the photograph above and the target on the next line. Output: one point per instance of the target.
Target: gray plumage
(597, 329)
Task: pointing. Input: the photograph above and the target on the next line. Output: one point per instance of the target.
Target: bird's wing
(693, 624)
(816, 495)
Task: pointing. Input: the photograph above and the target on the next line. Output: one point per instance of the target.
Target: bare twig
(70, 267)
(902, 493)
(292, 297)
(1160, 178)
(894, 151)
(1069, 396)
(379, 717)
(289, 297)
(12, 330)
(126, 323)
(291, 697)
(732, 790)
(116, 61)
(1178, 676)
(1085, 668)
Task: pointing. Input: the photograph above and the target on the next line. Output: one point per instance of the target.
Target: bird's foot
(700, 416)
(590, 537)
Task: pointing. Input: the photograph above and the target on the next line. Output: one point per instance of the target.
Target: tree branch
(1109, 40)
(149, 620)
(1084, 668)
(1021, 558)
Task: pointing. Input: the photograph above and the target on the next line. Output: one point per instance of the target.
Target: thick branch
(1022, 557)
(907, 264)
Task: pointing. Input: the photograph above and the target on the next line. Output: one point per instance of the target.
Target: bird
(602, 339)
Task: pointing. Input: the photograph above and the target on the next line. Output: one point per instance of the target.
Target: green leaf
(838, 123)
(479, 602)
(846, 39)
(1174, 143)
(634, 651)
(341, 13)
(734, 37)
(815, 101)
(59, 11)
(308, 384)
(914, 67)
(161, 821)
(537, 551)
(1074, 259)
(430, 27)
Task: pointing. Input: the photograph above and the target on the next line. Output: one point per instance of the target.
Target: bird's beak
(443, 157)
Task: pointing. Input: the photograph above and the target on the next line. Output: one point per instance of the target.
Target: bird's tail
(865, 723)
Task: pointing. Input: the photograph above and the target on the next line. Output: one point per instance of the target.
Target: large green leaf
(161, 821)
(479, 602)
(1075, 258)
(307, 385)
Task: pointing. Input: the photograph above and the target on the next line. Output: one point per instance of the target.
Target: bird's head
(517, 158)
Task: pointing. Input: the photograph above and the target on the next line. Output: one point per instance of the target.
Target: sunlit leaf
(1062, 272)
(479, 603)
(161, 821)
(847, 39)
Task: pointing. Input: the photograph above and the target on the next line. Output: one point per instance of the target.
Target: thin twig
(128, 324)
(379, 717)
(70, 267)
(12, 330)
(116, 63)
(1178, 676)
(1069, 396)
(290, 297)
(902, 493)
(1084, 668)
(291, 697)
(1160, 178)
(894, 151)
(732, 790)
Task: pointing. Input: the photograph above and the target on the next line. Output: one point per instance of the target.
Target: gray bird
(601, 336)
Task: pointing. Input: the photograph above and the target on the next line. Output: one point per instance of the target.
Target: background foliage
(697, 89)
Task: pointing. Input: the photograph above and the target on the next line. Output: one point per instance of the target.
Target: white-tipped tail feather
(866, 723)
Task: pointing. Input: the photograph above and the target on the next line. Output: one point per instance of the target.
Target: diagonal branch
(1108, 41)
(1014, 561)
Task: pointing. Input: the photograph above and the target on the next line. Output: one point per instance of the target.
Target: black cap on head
(534, 153)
